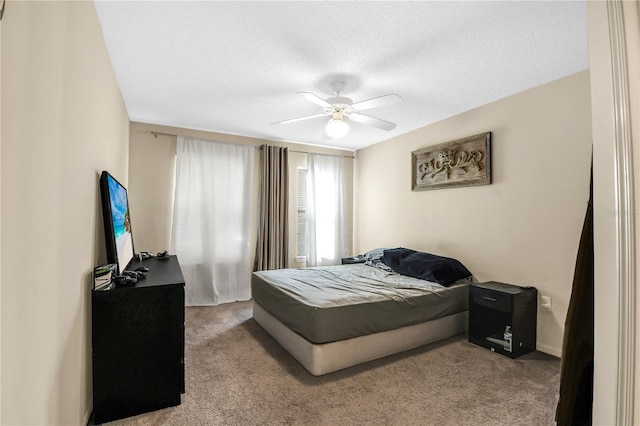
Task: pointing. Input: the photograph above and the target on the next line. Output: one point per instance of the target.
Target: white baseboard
(557, 352)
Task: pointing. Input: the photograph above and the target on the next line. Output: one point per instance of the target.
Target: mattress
(333, 303)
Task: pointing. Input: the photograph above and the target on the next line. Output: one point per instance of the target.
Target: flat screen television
(117, 222)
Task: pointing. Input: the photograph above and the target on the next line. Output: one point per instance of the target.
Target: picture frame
(458, 163)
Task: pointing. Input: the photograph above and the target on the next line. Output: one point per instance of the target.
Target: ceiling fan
(342, 109)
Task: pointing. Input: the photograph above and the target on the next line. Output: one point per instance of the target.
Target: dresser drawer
(490, 298)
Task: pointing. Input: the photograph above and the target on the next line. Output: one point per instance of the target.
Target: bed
(334, 317)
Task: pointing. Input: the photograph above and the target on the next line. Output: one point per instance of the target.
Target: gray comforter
(326, 304)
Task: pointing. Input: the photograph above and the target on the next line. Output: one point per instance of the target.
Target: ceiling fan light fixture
(337, 128)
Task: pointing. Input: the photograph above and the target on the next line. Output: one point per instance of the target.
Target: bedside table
(493, 306)
(351, 260)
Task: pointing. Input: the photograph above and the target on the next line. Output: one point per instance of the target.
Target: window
(211, 220)
(327, 227)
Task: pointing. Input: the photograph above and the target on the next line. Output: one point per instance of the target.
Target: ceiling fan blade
(315, 99)
(372, 121)
(377, 102)
(293, 120)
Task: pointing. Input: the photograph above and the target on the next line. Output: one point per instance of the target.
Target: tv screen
(117, 222)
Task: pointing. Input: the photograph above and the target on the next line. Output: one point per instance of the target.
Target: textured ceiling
(235, 67)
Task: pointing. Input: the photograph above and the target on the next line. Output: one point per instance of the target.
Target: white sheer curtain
(211, 219)
(327, 228)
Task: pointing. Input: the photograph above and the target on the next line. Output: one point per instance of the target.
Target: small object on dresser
(124, 281)
(143, 255)
(354, 259)
(135, 274)
(103, 277)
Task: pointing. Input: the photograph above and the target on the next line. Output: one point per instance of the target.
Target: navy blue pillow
(426, 266)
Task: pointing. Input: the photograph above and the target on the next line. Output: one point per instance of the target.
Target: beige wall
(524, 227)
(152, 173)
(63, 121)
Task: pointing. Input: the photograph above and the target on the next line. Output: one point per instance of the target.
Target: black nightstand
(355, 259)
(493, 306)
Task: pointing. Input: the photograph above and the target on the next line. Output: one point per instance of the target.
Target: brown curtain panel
(576, 372)
(272, 251)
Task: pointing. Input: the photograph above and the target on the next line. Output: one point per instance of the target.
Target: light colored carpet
(236, 374)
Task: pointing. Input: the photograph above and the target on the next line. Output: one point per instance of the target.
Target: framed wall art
(463, 162)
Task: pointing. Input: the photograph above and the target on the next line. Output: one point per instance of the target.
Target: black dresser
(138, 343)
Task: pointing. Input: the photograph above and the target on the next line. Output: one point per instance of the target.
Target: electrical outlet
(546, 303)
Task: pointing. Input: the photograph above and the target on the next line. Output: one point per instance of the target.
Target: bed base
(325, 358)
